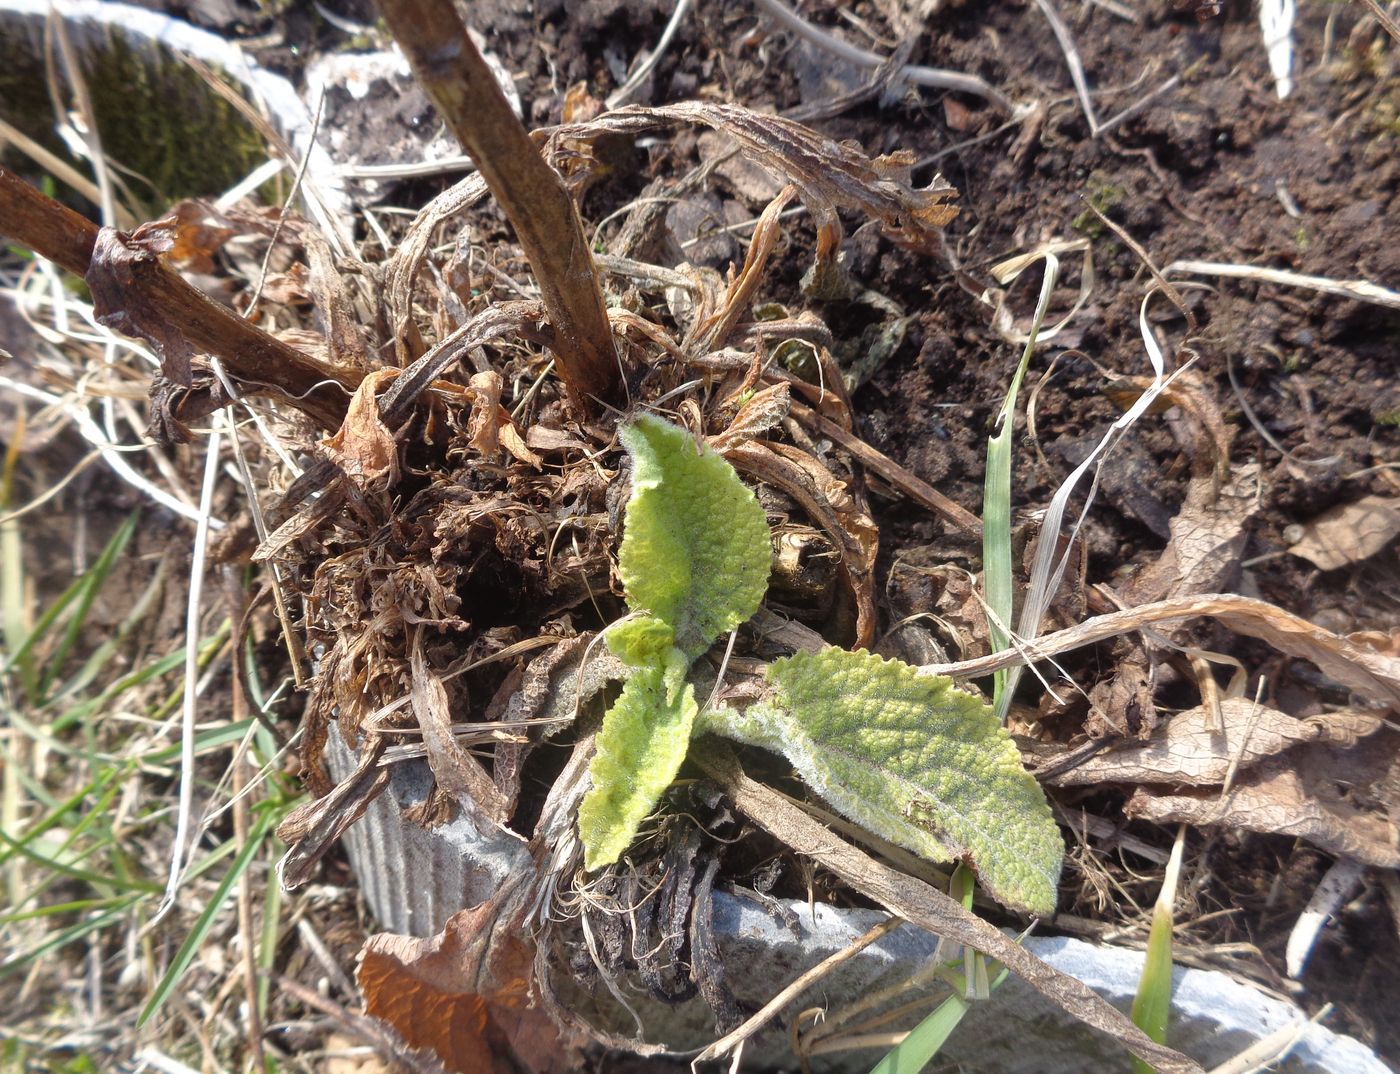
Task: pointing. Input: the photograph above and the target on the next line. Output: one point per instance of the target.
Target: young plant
(912, 757)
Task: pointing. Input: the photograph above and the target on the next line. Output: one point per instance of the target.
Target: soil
(1218, 169)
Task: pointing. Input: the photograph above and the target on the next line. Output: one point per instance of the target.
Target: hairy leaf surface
(695, 551)
(641, 745)
(914, 759)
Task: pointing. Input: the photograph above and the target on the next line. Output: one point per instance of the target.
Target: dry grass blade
(1361, 290)
(730, 1041)
(829, 174)
(926, 906)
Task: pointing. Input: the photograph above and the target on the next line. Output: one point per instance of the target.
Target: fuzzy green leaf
(640, 641)
(915, 760)
(695, 550)
(641, 745)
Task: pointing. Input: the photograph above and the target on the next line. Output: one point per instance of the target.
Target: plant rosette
(911, 757)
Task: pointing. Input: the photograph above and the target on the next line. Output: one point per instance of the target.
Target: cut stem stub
(461, 85)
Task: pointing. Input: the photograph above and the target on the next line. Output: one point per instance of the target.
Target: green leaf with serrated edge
(915, 760)
(641, 745)
(695, 549)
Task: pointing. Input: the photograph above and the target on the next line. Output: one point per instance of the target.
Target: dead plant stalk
(136, 293)
(461, 85)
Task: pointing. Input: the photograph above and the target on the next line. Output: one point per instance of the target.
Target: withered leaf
(313, 828)
(831, 506)
(467, 993)
(1184, 750)
(457, 772)
(363, 447)
(760, 412)
(1350, 533)
(830, 175)
(1345, 801)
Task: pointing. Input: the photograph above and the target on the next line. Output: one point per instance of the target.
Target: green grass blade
(62, 939)
(15, 632)
(57, 815)
(996, 504)
(925, 1040)
(53, 909)
(93, 580)
(74, 873)
(185, 955)
(1153, 1003)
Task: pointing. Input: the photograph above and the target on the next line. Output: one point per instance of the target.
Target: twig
(160, 305)
(461, 85)
(933, 77)
(800, 984)
(917, 490)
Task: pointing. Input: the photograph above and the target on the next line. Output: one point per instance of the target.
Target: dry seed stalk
(135, 293)
(461, 85)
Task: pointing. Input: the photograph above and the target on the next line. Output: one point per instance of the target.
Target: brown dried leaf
(456, 771)
(1301, 794)
(199, 233)
(468, 994)
(831, 506)
(1350, 533)
(363, 447)
(1207, 538)
(560, 682)
(1185, 750)
(483, 427)
(311, 829)
(1372, 673)
(1121, 706)
(580, 105)
(710, 333)
(545, 438)
(761, 412)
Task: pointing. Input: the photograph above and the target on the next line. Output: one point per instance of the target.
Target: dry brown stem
(136, 294)
(461, 85)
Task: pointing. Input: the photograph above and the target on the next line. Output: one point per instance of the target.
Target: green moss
(1392, 418)
(171, 134)
(1103, 196)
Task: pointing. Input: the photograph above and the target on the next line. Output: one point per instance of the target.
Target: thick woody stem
(136, 294)
(461, 85)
